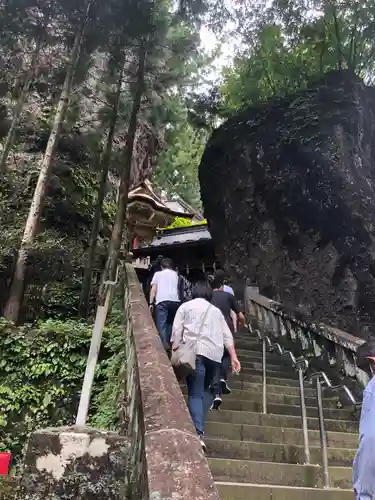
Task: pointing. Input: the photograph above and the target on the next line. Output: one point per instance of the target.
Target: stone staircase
(257, 456)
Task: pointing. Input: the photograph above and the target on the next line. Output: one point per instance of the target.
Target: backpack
(184, 289)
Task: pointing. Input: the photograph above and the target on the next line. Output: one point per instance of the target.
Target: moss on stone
(8, 487)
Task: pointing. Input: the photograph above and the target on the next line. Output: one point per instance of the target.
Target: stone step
(272, 398)
(271, 380)
(248, 345)
(284, 409)
(256, 456)
(249, 355)
(274, 366)
(247, 471)
(237, 384)
(256, 356)
(238, 491)
(273, 362)
(278, 397)
(271, 452)
(288, 421)
(278, 435)
(250, 342)
(279, 372)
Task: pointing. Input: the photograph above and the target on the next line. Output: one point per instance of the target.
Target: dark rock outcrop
(288, 190)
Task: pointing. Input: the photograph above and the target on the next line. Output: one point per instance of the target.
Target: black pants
(221, 373)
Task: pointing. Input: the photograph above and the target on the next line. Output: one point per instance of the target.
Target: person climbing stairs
(261, 456)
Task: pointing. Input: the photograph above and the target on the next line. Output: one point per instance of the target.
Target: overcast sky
(209, 43)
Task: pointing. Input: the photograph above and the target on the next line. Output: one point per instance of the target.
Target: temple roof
(146, 194)
(177, 236)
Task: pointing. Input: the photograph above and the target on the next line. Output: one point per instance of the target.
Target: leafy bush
(107, 400)
(184, 222)
(41, 373)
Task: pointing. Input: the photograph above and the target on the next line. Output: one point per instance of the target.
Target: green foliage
(274, 69)
(288, 43)
(113, 33)
(106, 404)
(177, 169)
(183, 222)
(41, 373)
(56, 257)
(41, 370)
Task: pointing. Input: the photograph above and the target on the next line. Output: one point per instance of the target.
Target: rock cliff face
(289, 192)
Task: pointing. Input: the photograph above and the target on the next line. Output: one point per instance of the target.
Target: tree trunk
(353, 40)
(8, 143)
(13, 305)
(338, 37)
(122, 202)
(104, 167)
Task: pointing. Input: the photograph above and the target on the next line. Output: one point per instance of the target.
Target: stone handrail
(168, 462)
(326, 348)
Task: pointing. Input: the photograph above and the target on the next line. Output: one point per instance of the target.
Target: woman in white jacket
(199, 320)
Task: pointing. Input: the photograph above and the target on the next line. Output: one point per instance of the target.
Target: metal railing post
(264, 375)
(323, 438)
(305, 430)
(92, 359)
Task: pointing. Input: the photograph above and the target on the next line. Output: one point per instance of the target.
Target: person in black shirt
(227, 303)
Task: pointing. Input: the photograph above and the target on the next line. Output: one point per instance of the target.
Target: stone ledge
(176, 466)
(334, 334)
(75, 462)
(8, 487)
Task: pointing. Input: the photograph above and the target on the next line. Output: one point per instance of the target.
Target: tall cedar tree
(13, 305)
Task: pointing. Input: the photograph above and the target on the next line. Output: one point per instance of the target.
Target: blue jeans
(199, 392)
(164, 316)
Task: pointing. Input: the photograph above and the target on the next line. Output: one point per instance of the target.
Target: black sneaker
(224, 387)
(216, 403)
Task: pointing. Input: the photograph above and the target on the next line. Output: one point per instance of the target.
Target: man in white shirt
(164, 294)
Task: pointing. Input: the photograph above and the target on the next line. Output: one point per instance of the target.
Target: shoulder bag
(184, 355)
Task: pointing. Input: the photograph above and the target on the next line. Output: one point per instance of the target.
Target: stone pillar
(75, 463)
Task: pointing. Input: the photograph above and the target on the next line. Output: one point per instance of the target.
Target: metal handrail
(339, 387)
(276, 347)
(300, 365)
(322, 380)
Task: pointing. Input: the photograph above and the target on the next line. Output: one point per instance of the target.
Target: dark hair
(222, 275)
(167, 263)
(156, 264)
(218, 281)
(365, 351)
(202, 290)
